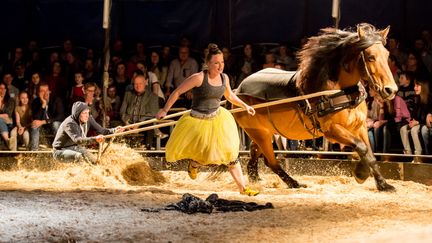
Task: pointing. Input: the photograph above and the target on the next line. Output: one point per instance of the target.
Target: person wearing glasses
(180, 69)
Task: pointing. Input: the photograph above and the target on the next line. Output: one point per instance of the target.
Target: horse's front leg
(264, 141)
(361, 145)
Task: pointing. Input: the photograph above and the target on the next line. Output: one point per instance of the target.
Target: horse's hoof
(361, 173)
(295, 184)
(254, 179)
(385, 187)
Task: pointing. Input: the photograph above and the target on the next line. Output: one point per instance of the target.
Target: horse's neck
(346, 79)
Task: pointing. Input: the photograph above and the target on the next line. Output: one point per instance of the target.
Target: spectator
(406, 89)
(12, 90)
(20, 134)
(230, 65)
(120, 78)
(285, 57)
(20, 81)
(33, 88)
(158, 68)
(90, 100)
(90, 74)
(113, 106)
(247, 64)
(56, 81)
(180, 69)
(270, 60)
(47, 113)
(139, 105)
(7, 106)
(418, 121)
(77, 92)
(372, 116)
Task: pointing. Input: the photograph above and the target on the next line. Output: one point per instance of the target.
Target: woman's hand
(250, 110)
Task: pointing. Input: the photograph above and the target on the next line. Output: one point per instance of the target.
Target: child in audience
(78, 90)
(20, 133)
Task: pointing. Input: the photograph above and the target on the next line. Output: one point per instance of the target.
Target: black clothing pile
(192, 204)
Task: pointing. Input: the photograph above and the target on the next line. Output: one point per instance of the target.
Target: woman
(208, 135)
(7, 106)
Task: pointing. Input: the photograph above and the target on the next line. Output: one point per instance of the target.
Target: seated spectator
(418, 121)
(20, 134)
(21, 80)
(33, 88)
(90, 99)
(72, 133)
(12, 90)
(77, 92)
(113, 106)
(180, 69)
(158, 68)
(139, 105)
(374, 107)
(7, 106)
(270, 60)
(285, 56)
(393, 115)
(57, 82)
(47, 112)
(120, 78)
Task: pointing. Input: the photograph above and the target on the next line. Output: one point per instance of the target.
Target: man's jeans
(35, 134)
(74, 154)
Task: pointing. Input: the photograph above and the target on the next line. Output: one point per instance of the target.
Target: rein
(370, 77)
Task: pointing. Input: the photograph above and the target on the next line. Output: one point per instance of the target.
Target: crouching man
(72, 133)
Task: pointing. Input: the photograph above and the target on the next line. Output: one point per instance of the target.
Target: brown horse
(334, 60)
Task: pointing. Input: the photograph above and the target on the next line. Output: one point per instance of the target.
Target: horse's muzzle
(388, 93)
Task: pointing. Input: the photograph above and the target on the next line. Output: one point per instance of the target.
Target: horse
(336, 61)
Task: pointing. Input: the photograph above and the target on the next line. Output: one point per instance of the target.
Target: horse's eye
(371, 58)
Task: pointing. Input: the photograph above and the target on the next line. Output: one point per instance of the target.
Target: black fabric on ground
(192, 204)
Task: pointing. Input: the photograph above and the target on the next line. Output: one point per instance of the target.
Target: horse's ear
(385, 32)
(360, 32)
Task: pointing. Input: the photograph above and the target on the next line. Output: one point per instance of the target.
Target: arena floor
(46, 201)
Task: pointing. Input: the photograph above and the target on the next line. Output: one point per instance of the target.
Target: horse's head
(375, 60)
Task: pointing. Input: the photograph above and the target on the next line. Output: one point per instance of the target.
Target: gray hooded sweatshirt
(72, 132)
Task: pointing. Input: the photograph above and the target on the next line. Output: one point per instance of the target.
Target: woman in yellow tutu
(208, 134)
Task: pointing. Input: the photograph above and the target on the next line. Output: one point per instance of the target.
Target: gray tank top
(206, 98)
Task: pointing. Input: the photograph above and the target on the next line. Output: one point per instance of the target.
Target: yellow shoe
(249, 192)
(192, 171)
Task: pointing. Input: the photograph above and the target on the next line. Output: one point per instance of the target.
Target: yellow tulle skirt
(206, 141)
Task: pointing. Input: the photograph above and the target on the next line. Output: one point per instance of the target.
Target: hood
(77, 108)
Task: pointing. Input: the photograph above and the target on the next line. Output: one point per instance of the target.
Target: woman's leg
(237, 174)
(404, 133)
(372, 139)
(425, 137)
(415, 134)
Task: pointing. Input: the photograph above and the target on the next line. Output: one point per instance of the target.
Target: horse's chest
(351, 119)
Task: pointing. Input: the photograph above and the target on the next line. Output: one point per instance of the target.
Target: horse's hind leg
(264, 141)
(252, 166)
(367, 159)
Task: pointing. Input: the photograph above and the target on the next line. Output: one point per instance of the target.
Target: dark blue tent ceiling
(228, 22)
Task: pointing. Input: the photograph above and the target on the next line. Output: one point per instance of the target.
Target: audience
(42, 84)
